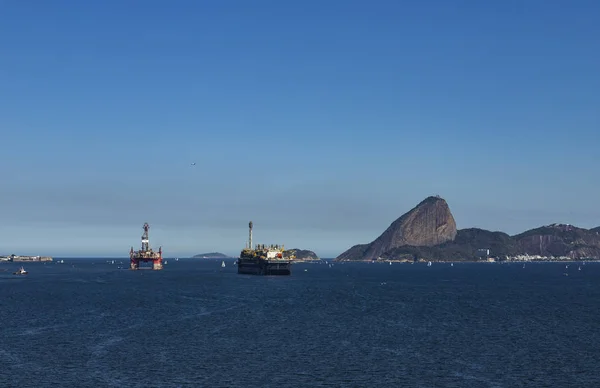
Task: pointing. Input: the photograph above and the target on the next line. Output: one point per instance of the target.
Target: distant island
(300, 255)
(212, 255)
(428, 233)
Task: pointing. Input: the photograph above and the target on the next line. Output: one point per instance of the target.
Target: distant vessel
(223, 264)
(16, 258)
(20, 271)
(263, 259)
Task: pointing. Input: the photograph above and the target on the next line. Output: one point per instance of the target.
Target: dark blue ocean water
(86, 323)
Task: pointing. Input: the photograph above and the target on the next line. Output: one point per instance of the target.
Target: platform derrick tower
(146, 254)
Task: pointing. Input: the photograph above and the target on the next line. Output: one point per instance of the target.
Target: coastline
(422, 261)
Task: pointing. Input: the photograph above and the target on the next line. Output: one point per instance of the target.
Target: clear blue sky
(321, 121)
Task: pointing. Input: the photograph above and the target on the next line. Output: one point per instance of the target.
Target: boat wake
(41, 329)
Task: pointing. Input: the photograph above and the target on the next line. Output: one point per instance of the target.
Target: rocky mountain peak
(429, 223)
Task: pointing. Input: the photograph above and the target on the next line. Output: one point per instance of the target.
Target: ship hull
(263, 267)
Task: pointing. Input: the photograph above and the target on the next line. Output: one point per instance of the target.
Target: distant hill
(428, 231)
(301, 254)
(212, 255)
(560, 240)
(428, 224)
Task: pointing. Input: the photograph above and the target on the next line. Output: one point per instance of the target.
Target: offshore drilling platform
(146, 254)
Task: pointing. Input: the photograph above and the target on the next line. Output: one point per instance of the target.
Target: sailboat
(223, 264)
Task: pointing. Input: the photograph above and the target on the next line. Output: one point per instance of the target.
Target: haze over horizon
(322, 122)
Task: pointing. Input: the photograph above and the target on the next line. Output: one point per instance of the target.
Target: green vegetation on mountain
(300, 254)
(464, 247)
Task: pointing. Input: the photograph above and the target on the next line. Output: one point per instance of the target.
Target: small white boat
(20, 271)
(429, 263)
(223, 264)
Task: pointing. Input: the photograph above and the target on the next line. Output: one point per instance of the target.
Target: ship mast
(250, 235)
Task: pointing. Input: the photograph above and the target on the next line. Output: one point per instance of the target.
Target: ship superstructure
(146, 254)
(263, 259)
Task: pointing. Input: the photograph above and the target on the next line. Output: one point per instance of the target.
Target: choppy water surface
(86, 323)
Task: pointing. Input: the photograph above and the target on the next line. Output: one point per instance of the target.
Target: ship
(263, 259)
(146, 254)
(16, 258)
(20, 271)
